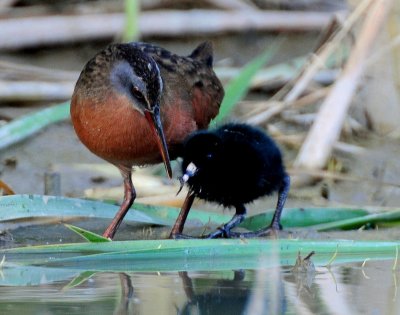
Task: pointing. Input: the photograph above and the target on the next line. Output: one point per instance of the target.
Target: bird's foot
(221, 232)
(225, 230)
(271, 231)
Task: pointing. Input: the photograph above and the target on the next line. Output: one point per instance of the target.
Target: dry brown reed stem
(272, 111)
(341, 177)
(23, 82)
(25, 32)
(16, 91)
(384, 50)
(233, 5)
(319, 59)
(295, 141)
(325, 131)
(24, 72)
(275, 107)
(311, 68)
(272, 76)
(310, 98)
(350, 124)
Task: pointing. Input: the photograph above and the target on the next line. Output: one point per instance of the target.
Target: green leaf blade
(197, 254)
(27, 206)
(303, 217)
(87, 235)
(22, 128)
(81, 278)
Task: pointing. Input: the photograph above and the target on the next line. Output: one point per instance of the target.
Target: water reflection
(127, 295)
(227, 296)
(346, 289)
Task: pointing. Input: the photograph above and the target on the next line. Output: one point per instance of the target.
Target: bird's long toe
(269, 232)
(221, 232)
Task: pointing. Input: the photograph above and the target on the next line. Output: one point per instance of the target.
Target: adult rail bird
(232, 165)
(134, 104)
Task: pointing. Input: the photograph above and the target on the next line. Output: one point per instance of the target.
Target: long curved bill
(154, 121)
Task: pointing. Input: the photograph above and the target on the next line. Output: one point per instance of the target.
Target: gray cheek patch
(123, 79)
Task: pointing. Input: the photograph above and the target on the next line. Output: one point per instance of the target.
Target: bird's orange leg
(180, 221)
(129, 198)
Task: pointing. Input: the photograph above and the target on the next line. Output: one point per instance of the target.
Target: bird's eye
(137, 94)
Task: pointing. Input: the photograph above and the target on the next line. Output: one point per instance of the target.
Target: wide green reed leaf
(17, 207)
(22, 128)
(179, 255)
(33, 206)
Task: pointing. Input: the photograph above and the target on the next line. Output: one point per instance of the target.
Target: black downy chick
(232, 166)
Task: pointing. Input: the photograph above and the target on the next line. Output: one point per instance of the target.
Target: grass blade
(353, 223)
(81, 278)
(87, 235)
(28, 206)
(238, 87)
(131, 28)
(173, 255)
(21, 128)
(303, 217)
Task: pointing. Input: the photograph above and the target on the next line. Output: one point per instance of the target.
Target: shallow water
(350, 288)
(343, 289)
